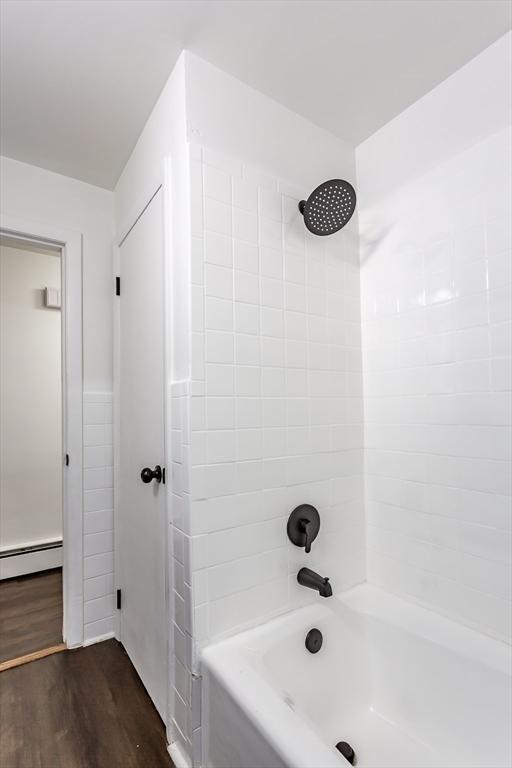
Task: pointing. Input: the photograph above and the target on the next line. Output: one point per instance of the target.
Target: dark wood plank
(30, 613)
(85, 708)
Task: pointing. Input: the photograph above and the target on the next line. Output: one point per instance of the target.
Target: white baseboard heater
(40, 556)
(41, 547)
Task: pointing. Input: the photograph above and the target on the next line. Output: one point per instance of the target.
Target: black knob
(148, 474)
(347, 751)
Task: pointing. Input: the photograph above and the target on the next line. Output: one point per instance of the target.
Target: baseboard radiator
(41, 547)
(41, 556)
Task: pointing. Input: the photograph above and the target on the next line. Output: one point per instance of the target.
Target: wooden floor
(30, 613)
(79, 709)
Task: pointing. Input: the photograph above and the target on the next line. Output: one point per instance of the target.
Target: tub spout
(309, 578)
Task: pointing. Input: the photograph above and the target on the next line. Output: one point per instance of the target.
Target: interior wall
(30, 195)
(33, 194)
(30, 399)
(225, 114)
(160, 157)
(434, 211)
(271, 414)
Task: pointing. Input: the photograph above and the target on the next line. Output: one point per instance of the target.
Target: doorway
(141, 518)
(31, 455)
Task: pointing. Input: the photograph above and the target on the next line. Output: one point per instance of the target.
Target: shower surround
(434, 212)
(268, 407)
(273, 415)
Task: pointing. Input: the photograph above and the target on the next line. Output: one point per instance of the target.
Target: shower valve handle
(303, 526)
(306, 530)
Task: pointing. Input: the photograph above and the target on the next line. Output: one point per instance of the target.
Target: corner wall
(434, 211)
(271, 414)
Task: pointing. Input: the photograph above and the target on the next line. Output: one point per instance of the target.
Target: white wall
(271, 415)
(36, 195)
(225, 114)
(434, 210)
(30, 399)
(160, 158)
(237, 249)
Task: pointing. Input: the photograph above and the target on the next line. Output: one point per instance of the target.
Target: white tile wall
(436, 304)
(276, 418)
(271, 418)
(98, 516)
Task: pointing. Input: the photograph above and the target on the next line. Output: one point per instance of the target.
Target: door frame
(162, 183)
(70, 244)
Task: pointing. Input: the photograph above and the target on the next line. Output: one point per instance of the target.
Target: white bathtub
(404, 686)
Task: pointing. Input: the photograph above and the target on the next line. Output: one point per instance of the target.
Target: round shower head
(329, 207)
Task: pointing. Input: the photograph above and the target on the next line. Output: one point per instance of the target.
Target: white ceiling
(79, 77)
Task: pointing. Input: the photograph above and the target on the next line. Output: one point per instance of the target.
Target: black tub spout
(312, 580)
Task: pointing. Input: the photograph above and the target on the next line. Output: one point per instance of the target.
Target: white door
(142, 528)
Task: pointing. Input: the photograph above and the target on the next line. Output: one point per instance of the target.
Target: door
(142, 528)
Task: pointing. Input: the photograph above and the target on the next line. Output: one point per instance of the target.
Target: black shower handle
(306, 529)
(303, 526)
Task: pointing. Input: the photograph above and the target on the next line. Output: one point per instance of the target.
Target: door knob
(148, 474)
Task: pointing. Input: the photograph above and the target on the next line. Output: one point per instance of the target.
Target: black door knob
(148, 474)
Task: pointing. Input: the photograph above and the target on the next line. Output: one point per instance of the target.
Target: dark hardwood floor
(30, 613)
(85, 708)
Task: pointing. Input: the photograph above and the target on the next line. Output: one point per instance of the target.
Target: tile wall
(98, 516)
(272, 416)
(436, 306)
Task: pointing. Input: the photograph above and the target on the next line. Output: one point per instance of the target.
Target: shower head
(329, 207)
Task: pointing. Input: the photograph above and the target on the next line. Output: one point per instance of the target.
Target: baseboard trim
(99, 639)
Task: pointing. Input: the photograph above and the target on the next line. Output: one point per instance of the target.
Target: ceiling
(80, 77)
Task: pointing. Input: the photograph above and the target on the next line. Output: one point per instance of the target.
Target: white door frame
(163, 183)
(70, 243)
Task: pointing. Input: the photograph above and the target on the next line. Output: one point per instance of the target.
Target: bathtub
(403, 686)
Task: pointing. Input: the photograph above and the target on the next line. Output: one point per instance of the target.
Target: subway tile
(245, 226)
(217, 217)
(271, 263)
(218, 314)
(99, 586)
(98, 565)
(218, 249)
(245, 195)
(220, 412)
(98, 543)
(221, 446)
(96, 522)
(94, 413)
(218, 281)
(246, 256)
(248, 380)
(94, 434)
(220, 380)
(220, 347)
(247, 287)
(270, 204)
(100, 608)
(247, 319)
(247, 349)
